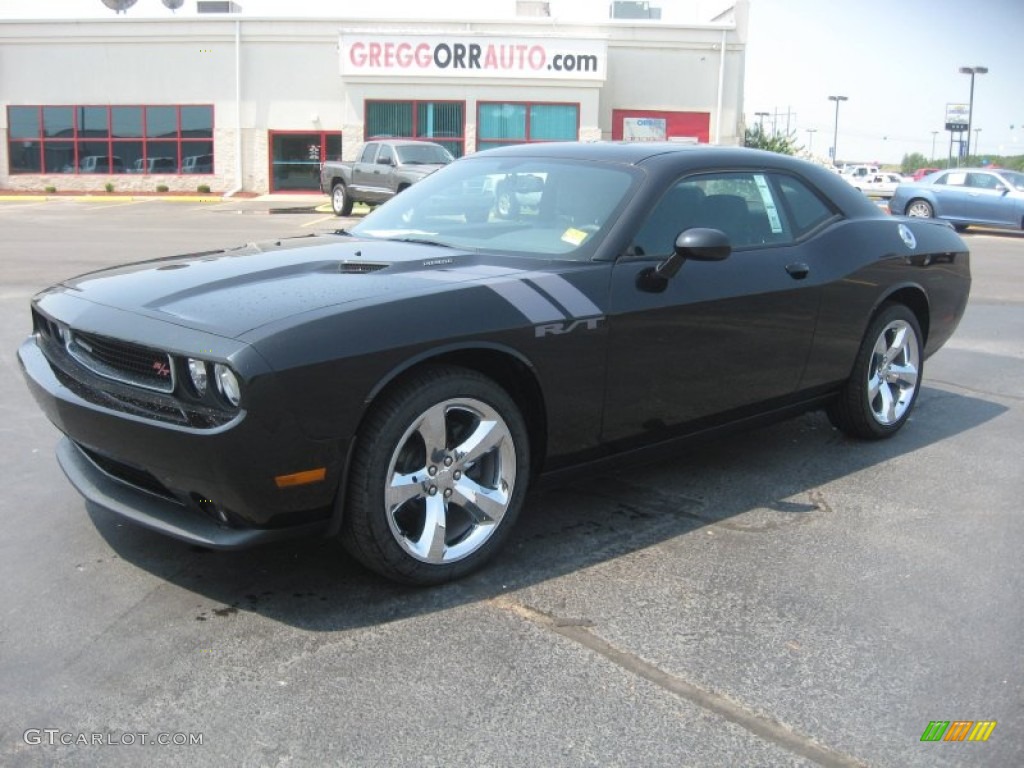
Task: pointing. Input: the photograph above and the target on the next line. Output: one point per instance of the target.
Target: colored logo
(958, 730)
(908, 237)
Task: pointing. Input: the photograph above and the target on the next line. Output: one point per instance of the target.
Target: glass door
(295, 159)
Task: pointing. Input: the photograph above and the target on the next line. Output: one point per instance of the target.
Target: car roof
(671, 158)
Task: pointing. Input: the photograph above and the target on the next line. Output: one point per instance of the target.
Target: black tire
(341, 203)
(920, 209)
(880, 394)
(476, 497)
(960, 227)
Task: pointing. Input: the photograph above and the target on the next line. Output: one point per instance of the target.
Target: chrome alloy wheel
(893, 373)
(450, 481)
(920, 209)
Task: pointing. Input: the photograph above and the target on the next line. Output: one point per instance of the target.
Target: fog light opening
(210, 508)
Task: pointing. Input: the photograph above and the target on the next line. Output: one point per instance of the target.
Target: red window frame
(414, 103)
(527, 104)
(109, 143)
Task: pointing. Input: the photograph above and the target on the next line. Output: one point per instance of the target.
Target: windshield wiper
(421, 241)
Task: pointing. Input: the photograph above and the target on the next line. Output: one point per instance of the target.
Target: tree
(913, 161)
(783, 144)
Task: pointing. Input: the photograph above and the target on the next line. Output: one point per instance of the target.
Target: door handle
(798, 270)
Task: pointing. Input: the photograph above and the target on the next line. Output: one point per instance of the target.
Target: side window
(742, 205)
(368, 153)
(982, 181)
(384, 157)
(953, 179)
(806, 210)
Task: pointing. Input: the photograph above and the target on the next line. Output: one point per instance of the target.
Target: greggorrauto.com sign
(490, 57)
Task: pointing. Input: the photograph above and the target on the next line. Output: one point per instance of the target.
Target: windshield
(423, 154)
(523, 206)
(1016, 179)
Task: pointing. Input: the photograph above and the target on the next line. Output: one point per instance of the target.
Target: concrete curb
(113, 198)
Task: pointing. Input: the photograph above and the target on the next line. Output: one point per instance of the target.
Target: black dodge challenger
(400, 385)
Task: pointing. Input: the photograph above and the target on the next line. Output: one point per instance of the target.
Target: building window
(295, 158)
(499, 124)
(443, 122)
(111, 139)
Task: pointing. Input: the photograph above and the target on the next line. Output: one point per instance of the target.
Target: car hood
(234, 291)
(424, 168)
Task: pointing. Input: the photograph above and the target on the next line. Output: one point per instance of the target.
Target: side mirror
(696, 244)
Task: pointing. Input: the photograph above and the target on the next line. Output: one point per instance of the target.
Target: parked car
(154, 165)
(402, 384)
(514, 191)
(920, 173)
(965, 196)
(97, 164)
(385, 167)
(197, 164)
(878, 184)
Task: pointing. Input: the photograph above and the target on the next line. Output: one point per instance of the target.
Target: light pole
(810, 139)
(934, 134)
(760, 120)
(972, 71)
(835, 133)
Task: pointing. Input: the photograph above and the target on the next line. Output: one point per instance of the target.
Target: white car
(878, 184)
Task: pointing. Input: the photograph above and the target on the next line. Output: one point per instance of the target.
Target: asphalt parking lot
(787, 597)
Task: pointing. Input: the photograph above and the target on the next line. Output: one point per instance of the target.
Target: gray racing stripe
(527, 300)
(566, 294)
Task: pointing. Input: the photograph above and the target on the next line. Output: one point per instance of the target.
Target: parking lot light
(835, 132)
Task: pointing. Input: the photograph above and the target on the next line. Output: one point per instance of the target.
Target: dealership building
(241, 103)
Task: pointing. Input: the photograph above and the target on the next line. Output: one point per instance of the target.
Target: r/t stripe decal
(568, 295)
(527, 300)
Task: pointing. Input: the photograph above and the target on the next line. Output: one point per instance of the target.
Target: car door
(988, 200)
(951, 196)
(722, 336)
(363, 169)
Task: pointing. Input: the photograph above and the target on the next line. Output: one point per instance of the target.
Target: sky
(896, 61)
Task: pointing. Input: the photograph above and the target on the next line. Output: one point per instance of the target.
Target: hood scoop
(360, 267)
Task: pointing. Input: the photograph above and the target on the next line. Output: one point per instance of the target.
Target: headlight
(197, 370)
(227, 384)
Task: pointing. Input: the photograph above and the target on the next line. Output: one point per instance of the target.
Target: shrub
(203, 189)
(51, 190)
(162, 188)
(109, 186)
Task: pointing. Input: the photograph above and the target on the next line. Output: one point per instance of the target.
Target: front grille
(123, 361)
(133, 476)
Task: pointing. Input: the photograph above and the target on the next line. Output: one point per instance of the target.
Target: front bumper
(161, 514)
(213, 487)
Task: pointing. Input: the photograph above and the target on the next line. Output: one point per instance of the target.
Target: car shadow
(758, 481)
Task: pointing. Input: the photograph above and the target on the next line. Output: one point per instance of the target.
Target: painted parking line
(113, 204)
(321, 220)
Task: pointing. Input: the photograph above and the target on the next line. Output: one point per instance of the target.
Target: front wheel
(880, 393)
(341, 203)
(438, 479)
(920, 209)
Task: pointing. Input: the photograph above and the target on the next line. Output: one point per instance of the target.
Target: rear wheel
(506, 205)
(341, 203)
(438, 479)
(920, 209)
(877, 399)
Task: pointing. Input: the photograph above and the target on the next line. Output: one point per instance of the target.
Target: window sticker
(956, 179)
(769, 203)
(574, 236)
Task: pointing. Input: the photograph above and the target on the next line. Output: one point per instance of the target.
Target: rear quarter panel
(865, 263)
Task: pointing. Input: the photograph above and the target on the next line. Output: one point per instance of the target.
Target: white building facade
(254, 104)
